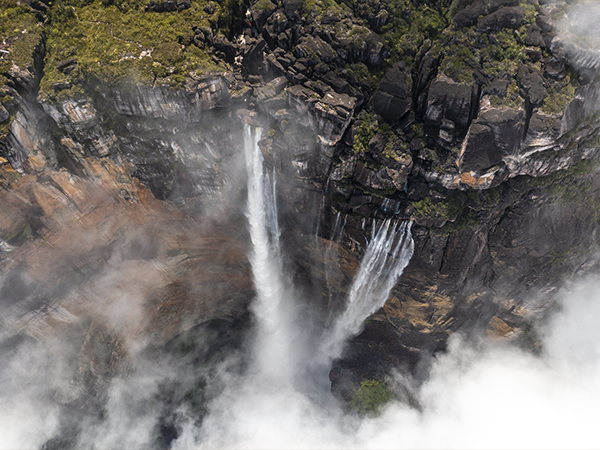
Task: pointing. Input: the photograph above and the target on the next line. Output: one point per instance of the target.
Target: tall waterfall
(387, 255)
(272, 306)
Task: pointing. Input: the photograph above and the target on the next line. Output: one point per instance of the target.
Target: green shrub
(370, 397)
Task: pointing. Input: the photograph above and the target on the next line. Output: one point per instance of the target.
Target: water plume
(272, 304)
(387, 255)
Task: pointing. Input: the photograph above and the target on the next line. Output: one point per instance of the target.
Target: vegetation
(113, 40)
(370, 397)
(448, 209)
(369, 124)
(558, 98)
(409, 27)
(20, 32)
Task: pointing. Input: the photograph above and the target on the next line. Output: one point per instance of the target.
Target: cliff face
(477, 120)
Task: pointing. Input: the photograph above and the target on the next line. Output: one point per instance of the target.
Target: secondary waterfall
(387, 255)
(272, 306)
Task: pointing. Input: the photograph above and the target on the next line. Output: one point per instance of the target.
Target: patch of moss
(512, 98)
(370, 397)
(117, 41)
(448, 209)
(367, 128)
(557, 100)
(22, 32)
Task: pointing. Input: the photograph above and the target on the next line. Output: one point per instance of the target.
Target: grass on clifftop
(116, 40)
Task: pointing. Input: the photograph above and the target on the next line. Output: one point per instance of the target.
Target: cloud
(478, 395)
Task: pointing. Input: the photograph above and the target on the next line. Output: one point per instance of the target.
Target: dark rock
(168, 5)
(329, 115)
(300, 68)
(209, 9)
(319, 47)
(393, 98)
(292, 8)
(275, 87)
(495, 134)
(61, 86)
(543, 130)
(270, 36)
(318, 86)
(447, 130)
(360, 44)
(427, 71)
(321, 69)
(284, 40)
(280, 21)
(554, 68)
(67, 65)
(497, 87)
(585, 103)
(417, 191)
(255, 79)
(477, 154)
(450, 101)
(228, 48)
(260, 12)
(532, 84)
(253, 57)
(275, 67)
(469, 15)
(534, 54)
(4, 115)
(183, 4)
(382, 18)
(511, 17)
(338, 84)
(533, 36)
(286, 61)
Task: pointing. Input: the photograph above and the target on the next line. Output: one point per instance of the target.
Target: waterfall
(278, 342)
(387, 255)
(272, 307)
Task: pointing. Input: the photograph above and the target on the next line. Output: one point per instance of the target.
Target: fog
(479, 395)
(482, 394)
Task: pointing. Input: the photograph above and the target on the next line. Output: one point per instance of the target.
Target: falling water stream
(272, 305)
(386, 257)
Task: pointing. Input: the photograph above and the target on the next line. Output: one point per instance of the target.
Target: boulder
(67, 65)
(359, 44)
(253, 57)
(495, 134)
(543, 130)
(260, 13)
(477, 154)
(4, 115)
(329, 114)
(511, 17)
(448, 100)
(393, 98)
(532, 84)
(469, 15)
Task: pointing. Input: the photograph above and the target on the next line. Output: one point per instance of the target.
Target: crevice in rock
(528, 114)
(475, 98)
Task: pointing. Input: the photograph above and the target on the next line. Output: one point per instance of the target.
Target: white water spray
(385, 259)
(273, 356)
